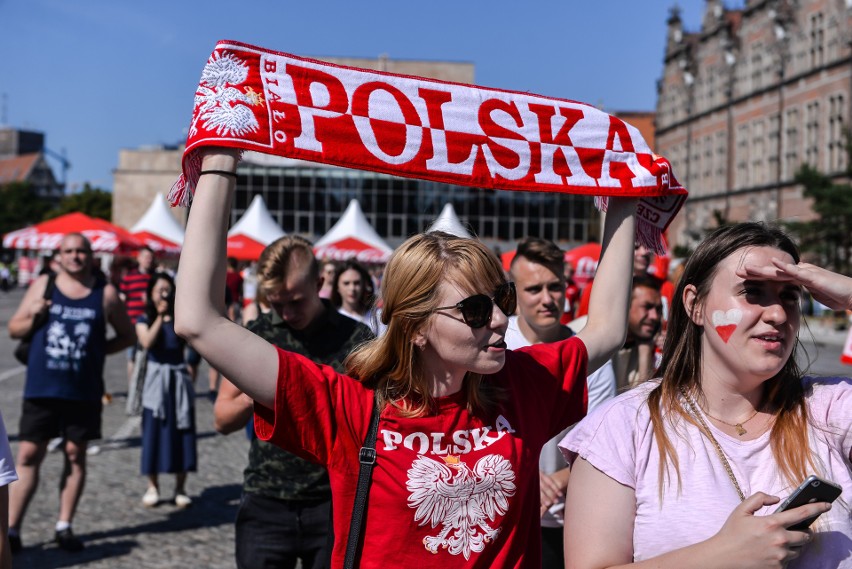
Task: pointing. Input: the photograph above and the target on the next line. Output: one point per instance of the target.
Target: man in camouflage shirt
(285, 509)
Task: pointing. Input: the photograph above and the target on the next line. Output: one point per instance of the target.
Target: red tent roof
(158, 244)
(47, 235)
(244, 248)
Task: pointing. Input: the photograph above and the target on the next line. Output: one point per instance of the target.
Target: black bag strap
(367, 458)
(40, 321)
(51, 282)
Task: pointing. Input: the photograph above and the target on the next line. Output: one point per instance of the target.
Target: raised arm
(248, 361)
(606, 328)
(831, 289)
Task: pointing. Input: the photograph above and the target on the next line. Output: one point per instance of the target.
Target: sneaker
(15, 544)
(151, 497)
(66, 540)
(182, 501)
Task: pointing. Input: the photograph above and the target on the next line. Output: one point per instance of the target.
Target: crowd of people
(516, 420)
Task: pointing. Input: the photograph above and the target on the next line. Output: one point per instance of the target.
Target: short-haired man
(538, 272)
(286, 505)
(65, 383)
(635, 362)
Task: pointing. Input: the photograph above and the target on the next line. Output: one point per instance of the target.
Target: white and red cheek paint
(726, 322)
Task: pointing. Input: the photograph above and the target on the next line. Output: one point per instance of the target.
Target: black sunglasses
(476, 310)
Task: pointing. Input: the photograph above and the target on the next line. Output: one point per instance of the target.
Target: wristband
(220, 172)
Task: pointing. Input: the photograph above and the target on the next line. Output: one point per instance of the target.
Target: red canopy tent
(351, 248)
(103, 235)
(352, 237)
(244, 248)
(158, 244)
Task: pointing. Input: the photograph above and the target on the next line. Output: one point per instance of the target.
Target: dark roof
(18, 168)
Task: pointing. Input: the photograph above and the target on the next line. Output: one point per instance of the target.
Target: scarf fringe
(184, 188)
(647, 234)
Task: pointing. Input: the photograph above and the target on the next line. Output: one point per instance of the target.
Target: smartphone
(813, 489)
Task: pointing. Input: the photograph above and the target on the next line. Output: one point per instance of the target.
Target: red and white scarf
(255, 99)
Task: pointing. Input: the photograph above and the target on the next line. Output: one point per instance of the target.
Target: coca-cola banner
(256, 99)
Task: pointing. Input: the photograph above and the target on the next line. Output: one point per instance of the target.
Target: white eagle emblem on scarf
(461, 500)
(221, 106)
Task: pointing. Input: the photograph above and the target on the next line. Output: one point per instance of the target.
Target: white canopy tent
(449, 222)
(158, 220)
(353, 237)
(253, 232)
(159, 229)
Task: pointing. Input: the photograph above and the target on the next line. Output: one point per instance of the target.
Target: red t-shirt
(451, 489)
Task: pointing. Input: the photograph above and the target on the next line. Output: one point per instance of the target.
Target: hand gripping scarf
(255, 99)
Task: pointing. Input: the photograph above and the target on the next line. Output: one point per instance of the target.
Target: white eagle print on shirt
(461, 500)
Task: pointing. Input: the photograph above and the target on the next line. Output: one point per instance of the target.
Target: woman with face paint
(687, 470)
(461, 419)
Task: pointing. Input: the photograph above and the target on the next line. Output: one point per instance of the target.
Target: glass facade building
(307, 199)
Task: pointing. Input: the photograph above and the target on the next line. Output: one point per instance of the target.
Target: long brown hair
(410, 288)
(681, 362)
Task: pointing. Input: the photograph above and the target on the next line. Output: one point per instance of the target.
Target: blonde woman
(462, 420)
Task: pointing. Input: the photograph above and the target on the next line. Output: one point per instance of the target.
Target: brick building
(746, 100)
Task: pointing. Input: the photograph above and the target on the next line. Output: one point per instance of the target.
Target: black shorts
(45, 418)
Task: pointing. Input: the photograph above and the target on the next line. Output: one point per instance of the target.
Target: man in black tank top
(62, 395)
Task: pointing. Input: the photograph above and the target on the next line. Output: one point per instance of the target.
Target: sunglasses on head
(476, 310)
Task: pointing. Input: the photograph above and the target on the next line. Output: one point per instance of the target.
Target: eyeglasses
(476, 310)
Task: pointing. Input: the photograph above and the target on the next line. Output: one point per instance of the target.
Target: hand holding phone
(813, 489)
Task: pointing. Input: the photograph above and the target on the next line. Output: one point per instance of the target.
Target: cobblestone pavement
(117, 530)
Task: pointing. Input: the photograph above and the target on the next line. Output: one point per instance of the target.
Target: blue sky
(97, 76)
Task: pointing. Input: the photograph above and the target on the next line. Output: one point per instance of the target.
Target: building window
(742, 157)
(836, 137)
(791, 144)
(812, 133)
(817, 40)
(721, 158)
(772, 149)
(757, 68)
(758, 146)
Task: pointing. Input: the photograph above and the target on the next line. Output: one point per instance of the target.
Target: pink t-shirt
(450, 489)
(617, 439)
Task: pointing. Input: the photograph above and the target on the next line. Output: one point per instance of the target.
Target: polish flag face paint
(726, 322)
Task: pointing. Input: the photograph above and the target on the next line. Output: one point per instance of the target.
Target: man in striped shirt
(133, 288)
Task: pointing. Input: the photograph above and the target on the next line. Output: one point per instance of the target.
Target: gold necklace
(694, 408)
(738, 426)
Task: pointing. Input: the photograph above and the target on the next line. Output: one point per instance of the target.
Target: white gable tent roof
(158, 220)
(449, 222)
(353, 236)
(257, 223)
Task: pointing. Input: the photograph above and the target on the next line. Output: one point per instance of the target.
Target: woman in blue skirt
(168, 398)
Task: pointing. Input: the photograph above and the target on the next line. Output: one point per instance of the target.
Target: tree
(21, 207)
(94, 202)
(830, 235)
